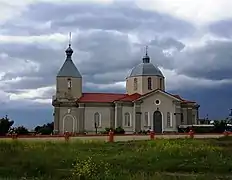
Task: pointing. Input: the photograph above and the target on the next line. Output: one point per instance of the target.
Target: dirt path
(118, 138)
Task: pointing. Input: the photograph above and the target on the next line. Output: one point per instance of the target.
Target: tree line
(6, 128)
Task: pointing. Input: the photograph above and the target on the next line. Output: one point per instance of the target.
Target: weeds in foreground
(90, 169)
(128, 160)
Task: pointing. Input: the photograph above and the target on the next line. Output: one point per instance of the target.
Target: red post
(111, 136)
(152, 135)
(226, 133)
(191, 134)
(66, 136)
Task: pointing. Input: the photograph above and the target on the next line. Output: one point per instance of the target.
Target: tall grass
(127, 160)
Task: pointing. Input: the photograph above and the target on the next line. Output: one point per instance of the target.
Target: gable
(163, 93)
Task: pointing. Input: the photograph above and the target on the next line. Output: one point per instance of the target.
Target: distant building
(145, 105)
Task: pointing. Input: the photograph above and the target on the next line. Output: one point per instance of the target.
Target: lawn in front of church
(164, 159)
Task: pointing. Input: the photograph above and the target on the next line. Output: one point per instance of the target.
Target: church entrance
(68, 124)
(157, 122)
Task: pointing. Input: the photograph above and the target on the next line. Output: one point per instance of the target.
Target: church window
(149, 84)
(157, 102)
(194, 119)
(182, 118)
(161, 83)
(69, 83)
(127, 119)
(135, 84)
(97, 120)
(169, 123)
(146, 119)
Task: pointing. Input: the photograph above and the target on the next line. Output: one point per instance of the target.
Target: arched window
(194, 119)
(169, 124)
(135, 84)
(69, 83)
(182, 118)
(127, 119)
(146, 119)
(161, 83)
(97, 120)
(149, 84)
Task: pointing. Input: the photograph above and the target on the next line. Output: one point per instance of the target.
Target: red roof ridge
(131, 97)
(104, 93)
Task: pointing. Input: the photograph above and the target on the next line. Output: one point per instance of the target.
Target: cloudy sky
(190, 40)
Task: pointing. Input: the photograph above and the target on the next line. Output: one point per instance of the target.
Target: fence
(111, 136)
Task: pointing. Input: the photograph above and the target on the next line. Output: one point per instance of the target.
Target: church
(145, 105)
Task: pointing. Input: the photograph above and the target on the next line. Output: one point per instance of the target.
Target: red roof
(111, 97)
(100, 97)
(130, 97)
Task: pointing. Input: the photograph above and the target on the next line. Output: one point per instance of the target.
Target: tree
(21, 130)
(5, 124)
(220, 126)
(45, 129)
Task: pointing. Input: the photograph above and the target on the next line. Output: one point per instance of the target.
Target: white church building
(145, 104)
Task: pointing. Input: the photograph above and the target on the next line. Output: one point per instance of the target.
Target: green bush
(21, 130)
(218, 128)
(89, 169)
(144, 132)
(46, 129)
(119, 130)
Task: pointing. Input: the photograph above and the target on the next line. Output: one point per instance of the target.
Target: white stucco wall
(130, 110)
(89, 118)
(65, 113)
(166, 105)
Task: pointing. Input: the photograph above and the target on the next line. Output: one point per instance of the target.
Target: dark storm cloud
(212, 61)
(112, 55)
(63, 17)
(96, 53)
(222, 28)
(48, 59)
(167, 43)
(27, 83)
(104, 56)
(108, 51)
(215, 102)
(101, 56)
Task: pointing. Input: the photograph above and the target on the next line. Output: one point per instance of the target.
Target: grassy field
(163, 159)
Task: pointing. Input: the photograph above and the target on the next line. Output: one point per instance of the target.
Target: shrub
(144, 132)
(107, 130)
(119, 130)
(90, 169)
(219, 127)
(46, 129)
(21, 130)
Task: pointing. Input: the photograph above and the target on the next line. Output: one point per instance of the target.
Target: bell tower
(68, 79)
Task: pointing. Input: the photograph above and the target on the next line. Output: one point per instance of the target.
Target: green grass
(160, 159)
